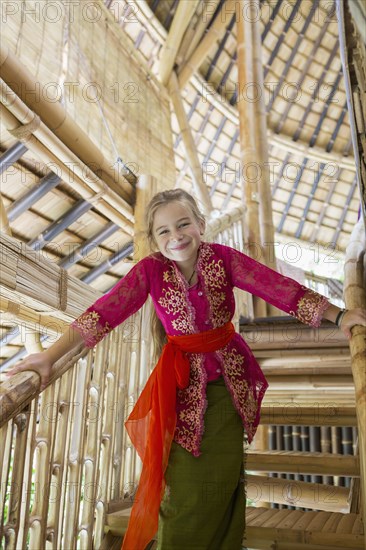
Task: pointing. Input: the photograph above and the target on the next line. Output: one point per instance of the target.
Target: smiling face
(177, 233)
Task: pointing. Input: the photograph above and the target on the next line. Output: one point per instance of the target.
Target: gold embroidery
(215, 278)
(88, 324)
(244, 397)
(174, 301)
(310, 308)
(191, 399)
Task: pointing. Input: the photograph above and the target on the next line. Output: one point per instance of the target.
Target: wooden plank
(318, 522)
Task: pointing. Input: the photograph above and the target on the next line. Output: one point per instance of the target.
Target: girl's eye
(183, 224)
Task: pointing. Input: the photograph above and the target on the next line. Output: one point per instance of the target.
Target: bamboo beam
(191, 151)
(298, 493)
(20, 80)
(355, 296)
(295, 462)
(181, 21)
(215, 34)
(193, 34)
(299, 414)
(27, 127)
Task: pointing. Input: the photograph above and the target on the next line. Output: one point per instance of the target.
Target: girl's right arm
(42, 362)
(125, 298)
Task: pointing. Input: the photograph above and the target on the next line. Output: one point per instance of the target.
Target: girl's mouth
(180, 247)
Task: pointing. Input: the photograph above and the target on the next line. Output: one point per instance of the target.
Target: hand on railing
(351, 318)
(37, 362)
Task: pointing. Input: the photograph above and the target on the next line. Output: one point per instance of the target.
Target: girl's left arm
(288, 295)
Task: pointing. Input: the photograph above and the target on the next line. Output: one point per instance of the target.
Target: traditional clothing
(209, 304)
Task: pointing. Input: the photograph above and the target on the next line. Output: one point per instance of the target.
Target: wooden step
(296, 530)
(296, 462)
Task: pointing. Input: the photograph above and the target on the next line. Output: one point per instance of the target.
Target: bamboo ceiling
(112, 50)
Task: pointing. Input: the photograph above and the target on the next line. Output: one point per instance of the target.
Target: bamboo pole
(355, 296)
(260, 117)
(20, 80)
(42, 452)
(146, 188)
(248, 146)
(211, 38)
(191, 151)
(298, 493)
(182, 18)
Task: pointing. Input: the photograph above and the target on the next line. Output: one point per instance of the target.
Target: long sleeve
(123, 300)
(285, 293)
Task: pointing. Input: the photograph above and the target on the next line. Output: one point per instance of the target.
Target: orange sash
(151, 426)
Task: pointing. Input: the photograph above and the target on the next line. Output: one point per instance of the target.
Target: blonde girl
(206, 390)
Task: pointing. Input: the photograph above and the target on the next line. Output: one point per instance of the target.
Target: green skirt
(204, 502)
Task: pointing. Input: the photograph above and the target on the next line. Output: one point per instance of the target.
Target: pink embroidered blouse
(207, 304)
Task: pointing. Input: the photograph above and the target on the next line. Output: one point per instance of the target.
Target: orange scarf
(151, 426)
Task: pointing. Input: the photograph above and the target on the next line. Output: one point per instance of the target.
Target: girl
(206, 389)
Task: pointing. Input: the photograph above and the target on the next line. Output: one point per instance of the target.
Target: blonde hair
(160, 199)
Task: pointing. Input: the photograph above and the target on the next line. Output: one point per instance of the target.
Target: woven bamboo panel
(105, 89)
(31, 280)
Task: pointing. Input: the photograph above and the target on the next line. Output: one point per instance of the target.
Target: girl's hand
(351, 318)
(39, 363)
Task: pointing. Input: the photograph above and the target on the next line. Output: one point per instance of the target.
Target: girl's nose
(175, 235)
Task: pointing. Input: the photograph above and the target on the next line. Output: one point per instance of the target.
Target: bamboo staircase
(85, 460)
(335, 521)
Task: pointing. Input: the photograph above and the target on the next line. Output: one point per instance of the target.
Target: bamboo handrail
(19, 390)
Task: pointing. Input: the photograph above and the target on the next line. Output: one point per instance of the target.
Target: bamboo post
(247, 125)
(264, 186)
(355, 296)
(191, 151)
(182, 18)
